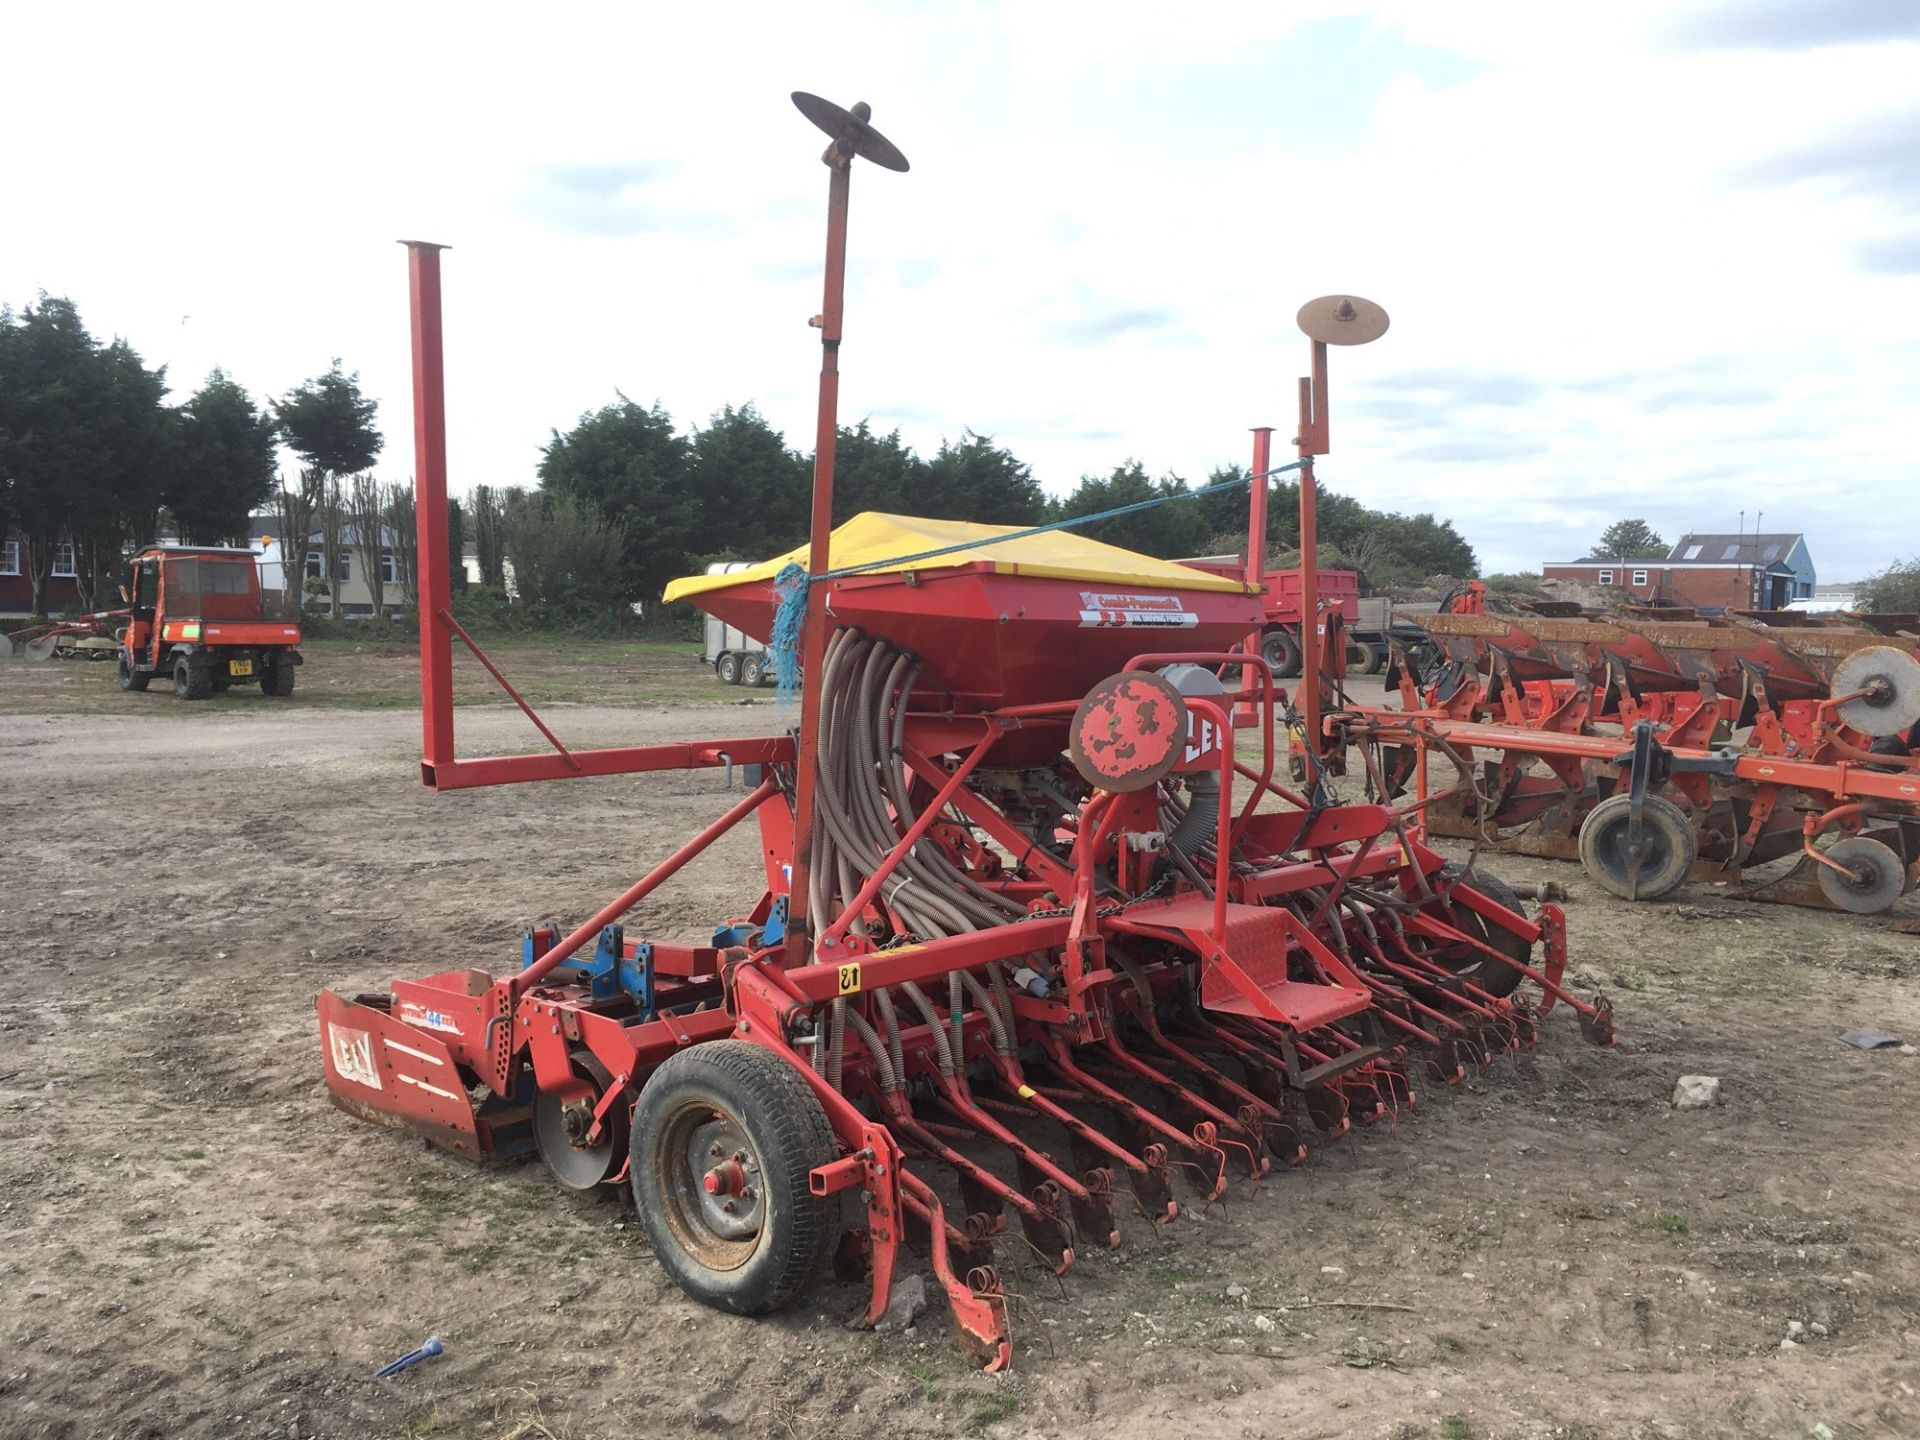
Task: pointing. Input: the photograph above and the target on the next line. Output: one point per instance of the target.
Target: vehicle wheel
(1474, 965)
(130, 678)
(727, 667)
(753, 671)
(277, 679)
(1282, 652)
(724, 1137)
(559, 1126)
(1373, 659)
(1878, 878)
(190, 681)
(1671, 847)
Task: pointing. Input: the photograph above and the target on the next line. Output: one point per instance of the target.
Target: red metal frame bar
(430, 505)
(440, 769)
(826, 439)
(458, 629)
(1257, 536)
(1311, 441)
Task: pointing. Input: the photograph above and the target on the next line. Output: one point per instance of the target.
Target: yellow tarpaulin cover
(872, 538)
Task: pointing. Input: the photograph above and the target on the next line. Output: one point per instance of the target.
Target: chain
(1152, 892)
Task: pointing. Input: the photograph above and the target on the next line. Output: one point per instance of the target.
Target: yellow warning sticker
(850, 979)
(1027, 1092)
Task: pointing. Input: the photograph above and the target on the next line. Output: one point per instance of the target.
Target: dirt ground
(194, 1242)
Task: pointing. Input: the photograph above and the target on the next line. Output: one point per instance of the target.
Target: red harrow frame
(1034, 926)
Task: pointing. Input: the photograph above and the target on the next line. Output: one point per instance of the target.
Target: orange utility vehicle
(197, 614)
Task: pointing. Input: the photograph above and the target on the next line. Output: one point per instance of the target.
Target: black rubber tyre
(1373, 659)
(1672, 847)
(276, 679)
(130, 678)
(1481, 969)
(191, 682)
(1878, 881)
(1282, 652)
(753, 672)
(732, 1103)
(727, 667)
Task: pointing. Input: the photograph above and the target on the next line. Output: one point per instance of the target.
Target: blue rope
(792, 584)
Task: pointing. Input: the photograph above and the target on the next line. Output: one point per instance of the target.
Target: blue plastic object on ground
(427, 1351)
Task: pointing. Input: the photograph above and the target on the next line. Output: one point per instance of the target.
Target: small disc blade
(851, 126)
(1343, 320)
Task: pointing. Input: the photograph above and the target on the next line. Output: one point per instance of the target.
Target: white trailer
(736, 657)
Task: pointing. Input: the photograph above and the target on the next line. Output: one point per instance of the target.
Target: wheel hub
(576, 1120)
(728, 1201)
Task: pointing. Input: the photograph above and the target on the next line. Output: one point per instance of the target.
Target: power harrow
(84, 638)
(1037, 946)
(1659, 745)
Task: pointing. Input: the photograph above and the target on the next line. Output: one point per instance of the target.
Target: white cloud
(1113, 213)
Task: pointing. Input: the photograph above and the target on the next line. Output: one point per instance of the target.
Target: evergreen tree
(626, 462)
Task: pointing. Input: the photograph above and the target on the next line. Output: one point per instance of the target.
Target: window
(1693, 552)
(389, 568)
(1732, 552)
(190, 582)
(1639, 577)
(343, 567)
(316, 565)
(63, 558)
(10, 558)
(1606, 577)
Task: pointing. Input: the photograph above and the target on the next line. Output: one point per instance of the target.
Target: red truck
(1280, 643)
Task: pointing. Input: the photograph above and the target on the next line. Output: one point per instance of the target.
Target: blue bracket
(610, 972)
(613, 972)
(535, 941)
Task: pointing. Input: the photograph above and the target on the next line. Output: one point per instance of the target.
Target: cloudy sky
(1644, 259)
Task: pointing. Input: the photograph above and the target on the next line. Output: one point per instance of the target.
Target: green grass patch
(924, 1378)
(1672, 1224)
(992, 1410)
(1455, 1427)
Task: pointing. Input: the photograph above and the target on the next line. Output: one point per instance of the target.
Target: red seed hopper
(1016, 619)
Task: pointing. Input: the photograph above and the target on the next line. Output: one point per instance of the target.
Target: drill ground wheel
(1875, 877)
(1476, 966)
(1669, 847)
(560, 1129)
(724, 1138)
